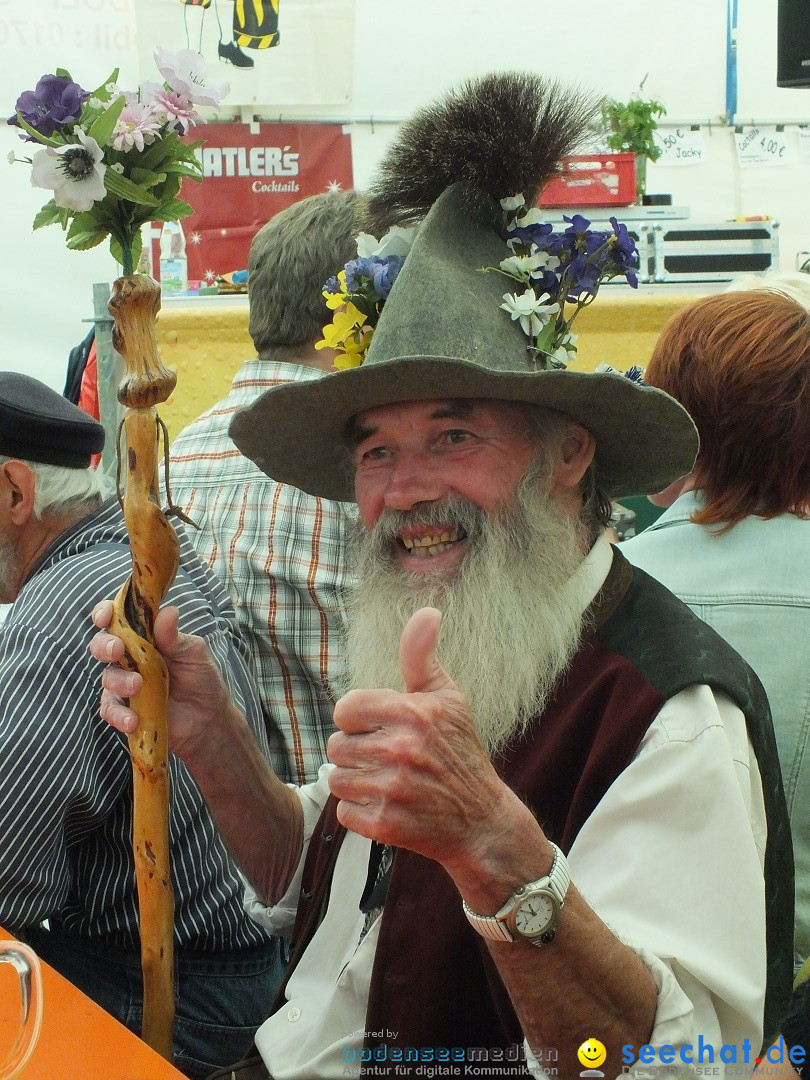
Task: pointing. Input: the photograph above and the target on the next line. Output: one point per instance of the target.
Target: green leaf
(172, 210)
(125, 189)
(183, 170)
(117, 250)
(64, 73)
(153, 158)
(35, 134)
(82, 241)
(48, 215)
(145, 177)
(102, 128)
(170, 187)
(101, 92)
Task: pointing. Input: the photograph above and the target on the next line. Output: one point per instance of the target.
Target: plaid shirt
(282, 557)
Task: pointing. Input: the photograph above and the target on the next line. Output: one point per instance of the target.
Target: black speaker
(793, 43)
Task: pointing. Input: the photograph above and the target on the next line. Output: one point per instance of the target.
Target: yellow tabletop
(205, 341)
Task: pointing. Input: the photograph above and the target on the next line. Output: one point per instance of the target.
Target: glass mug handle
(26, 964)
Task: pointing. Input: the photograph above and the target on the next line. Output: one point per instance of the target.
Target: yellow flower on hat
(335, 299)
(343, 324)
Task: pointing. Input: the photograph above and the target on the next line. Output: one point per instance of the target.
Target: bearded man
(540, 841)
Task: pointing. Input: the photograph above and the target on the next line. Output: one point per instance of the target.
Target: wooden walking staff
(134, 305)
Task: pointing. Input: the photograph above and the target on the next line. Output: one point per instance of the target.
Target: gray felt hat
(442, 334)
(37, 424)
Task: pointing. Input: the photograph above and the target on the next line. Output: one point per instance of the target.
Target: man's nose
(414, 479)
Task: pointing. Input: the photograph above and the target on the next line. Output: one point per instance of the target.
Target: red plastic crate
(592, 180)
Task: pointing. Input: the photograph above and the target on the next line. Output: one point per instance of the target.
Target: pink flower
(175, 109)
(185, 73)
(137, 126)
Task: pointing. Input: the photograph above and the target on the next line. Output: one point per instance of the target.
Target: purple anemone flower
(55, 101)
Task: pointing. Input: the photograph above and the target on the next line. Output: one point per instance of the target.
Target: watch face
(535, 914)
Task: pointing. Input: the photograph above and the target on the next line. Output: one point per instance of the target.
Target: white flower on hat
(513, 202)
(523, 267)
(531, 310)
(397, 241)
(566, 351)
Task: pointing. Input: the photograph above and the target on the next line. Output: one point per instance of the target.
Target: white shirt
(671, 859)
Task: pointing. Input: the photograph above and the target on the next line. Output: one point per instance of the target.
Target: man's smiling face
(414, 455)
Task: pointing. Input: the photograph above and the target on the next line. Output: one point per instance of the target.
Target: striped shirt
(65, 775)
(282, 556)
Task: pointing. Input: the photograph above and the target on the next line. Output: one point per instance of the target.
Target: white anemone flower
(397, 241)
(186, 74)
(74, 173)
(531, 310)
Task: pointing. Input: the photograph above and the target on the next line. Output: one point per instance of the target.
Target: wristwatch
(531, 912)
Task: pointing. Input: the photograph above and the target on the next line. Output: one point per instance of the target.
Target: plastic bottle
(173, 262)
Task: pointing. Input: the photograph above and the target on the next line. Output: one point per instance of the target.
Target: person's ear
(18, 491)
(576, 454)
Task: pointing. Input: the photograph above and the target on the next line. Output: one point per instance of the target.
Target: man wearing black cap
(542, 833)
(65, 777)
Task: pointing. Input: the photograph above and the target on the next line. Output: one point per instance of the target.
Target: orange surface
(78, 1041)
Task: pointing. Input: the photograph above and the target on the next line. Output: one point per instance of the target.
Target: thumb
(422, 672)
(168, 638)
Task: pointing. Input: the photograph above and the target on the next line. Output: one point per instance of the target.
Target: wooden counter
(78, 1041)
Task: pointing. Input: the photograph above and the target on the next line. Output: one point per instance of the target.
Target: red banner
(248, 178)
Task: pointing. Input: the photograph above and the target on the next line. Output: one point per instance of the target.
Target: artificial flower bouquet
(561, 273)
(115, 159)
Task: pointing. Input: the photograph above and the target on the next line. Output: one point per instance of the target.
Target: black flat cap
(37, 424)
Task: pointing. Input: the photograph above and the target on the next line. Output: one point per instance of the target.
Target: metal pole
(110, 372)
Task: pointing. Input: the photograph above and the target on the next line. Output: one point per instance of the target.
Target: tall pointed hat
(442, 332)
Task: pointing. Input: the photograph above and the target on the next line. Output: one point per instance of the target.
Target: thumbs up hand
(411, 771)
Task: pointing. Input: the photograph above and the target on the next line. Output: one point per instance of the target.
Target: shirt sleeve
(280, 918)
(689, 809)
(61, 770)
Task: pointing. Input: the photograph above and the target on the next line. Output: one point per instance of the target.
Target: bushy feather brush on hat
(495, 136)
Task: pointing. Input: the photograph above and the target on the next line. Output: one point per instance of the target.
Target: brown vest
(434, 983)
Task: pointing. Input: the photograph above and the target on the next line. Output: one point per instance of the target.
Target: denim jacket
(752, 585)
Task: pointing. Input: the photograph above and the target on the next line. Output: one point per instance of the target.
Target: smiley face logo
(591, 1054)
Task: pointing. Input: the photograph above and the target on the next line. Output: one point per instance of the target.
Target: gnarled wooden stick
(134, 305)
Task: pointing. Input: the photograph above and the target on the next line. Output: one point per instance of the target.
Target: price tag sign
(763, 144)
(680, 145)
(804, 145)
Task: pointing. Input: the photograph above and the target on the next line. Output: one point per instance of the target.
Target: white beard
(510, 625)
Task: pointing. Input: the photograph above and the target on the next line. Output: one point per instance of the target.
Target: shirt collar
(589, 576)
(271, 372)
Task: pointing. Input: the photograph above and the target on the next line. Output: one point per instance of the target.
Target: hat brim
(295, 432)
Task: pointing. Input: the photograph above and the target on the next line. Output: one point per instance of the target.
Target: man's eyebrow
(455, 409)
(358, 433)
